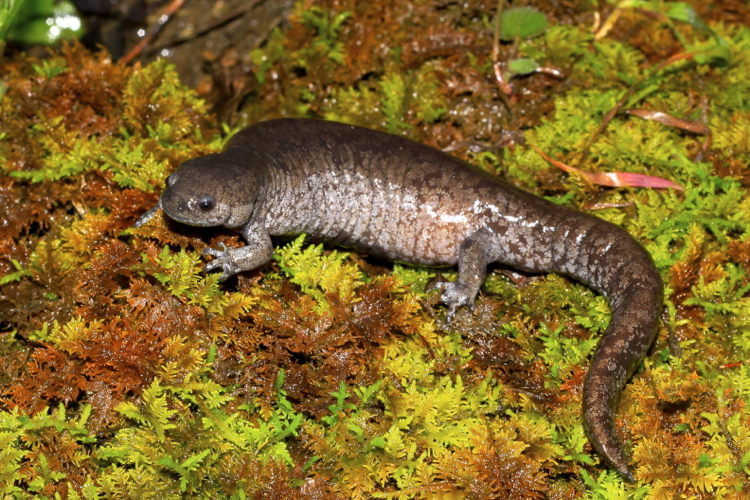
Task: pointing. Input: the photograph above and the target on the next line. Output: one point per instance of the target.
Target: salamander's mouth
(190, 221)
(201, 211)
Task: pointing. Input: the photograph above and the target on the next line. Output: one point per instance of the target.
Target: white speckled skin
(405, 201)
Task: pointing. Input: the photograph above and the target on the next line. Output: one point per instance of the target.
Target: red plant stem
(164, 17)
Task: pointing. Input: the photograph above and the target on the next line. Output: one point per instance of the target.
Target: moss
(126, 373)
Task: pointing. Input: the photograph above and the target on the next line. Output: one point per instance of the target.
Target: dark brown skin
(404, 201)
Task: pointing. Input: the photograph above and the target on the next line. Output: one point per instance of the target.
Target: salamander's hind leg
(473, 257)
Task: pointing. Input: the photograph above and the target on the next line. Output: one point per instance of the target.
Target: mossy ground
(126, 373)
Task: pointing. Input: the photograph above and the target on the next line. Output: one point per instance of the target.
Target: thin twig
(218, 23)
(505, 88)
(496, 38)
(154, 30)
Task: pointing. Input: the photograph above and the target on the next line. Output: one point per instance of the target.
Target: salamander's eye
(206, 203)
(170, 180)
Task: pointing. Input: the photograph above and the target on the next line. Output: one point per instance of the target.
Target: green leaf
(684, 12)
(36, 24)
(522, 22)
(714, 54)
(9, 10)
(522, 66)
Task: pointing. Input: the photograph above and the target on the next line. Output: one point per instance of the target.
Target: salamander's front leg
(473, 257)
(257, 252)
(147, 216)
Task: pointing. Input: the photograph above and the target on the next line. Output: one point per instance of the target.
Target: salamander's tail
(611, 261)
(636, 302)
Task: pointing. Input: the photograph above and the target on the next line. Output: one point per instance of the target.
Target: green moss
(318, 274)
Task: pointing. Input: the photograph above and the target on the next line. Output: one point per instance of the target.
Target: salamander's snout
(191, 204)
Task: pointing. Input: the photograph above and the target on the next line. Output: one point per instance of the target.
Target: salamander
(404, 201)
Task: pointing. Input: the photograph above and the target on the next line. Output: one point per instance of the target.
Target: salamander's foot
(225, 259)
(455, 295)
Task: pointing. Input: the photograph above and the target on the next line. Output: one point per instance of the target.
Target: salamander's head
(211, 190)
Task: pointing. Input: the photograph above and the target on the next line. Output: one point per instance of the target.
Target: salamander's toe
(224, 259)
(454, 295)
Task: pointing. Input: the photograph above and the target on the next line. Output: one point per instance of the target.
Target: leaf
(9, 11)
(715, 53)
(684, 12)
(46, 23)
(712, 54)
(522, 66)
(615, 179)
(522, 22)
(669, 120)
